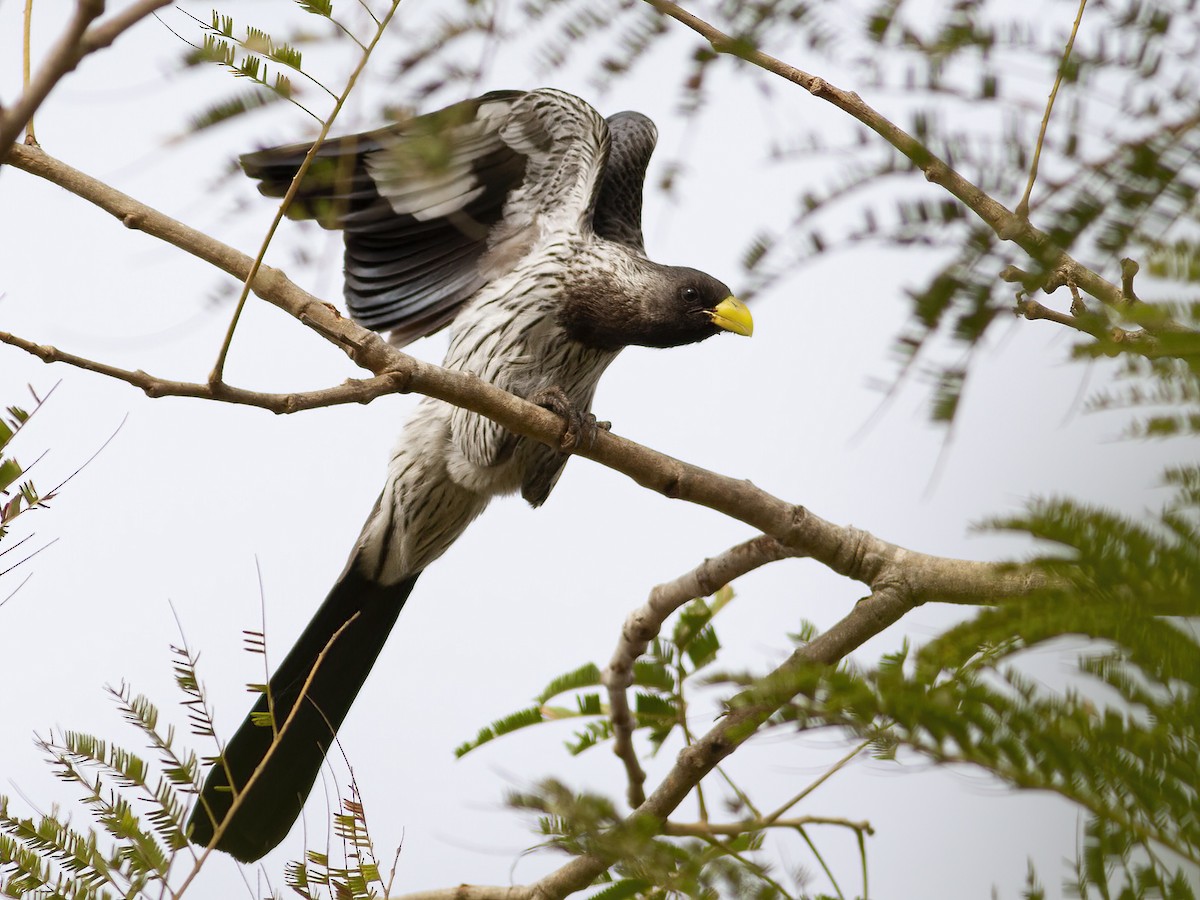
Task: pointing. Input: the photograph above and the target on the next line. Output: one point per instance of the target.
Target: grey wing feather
(417, 203)
(565, 142)
(437, 207)
(618, 213)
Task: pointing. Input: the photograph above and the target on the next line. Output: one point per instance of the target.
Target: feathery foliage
(16, 496)
(647, 864)
(359, 878)
(51, 855)
(660, 707)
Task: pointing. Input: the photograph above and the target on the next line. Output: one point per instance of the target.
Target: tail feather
(324, 670)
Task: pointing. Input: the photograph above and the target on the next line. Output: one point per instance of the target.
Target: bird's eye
(689, 295)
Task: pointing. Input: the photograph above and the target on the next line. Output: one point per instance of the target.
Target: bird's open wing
(439, 205)
(618, 213)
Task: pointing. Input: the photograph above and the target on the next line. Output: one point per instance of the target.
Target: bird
(515, 218)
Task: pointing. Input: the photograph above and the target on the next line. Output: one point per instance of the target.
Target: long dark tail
(350, 629)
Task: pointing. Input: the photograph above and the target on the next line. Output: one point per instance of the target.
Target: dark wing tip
(618, 213)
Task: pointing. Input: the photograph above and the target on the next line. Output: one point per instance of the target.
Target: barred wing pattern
(438, 206)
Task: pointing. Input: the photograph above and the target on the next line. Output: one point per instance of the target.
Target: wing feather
(436, 207)
(618, 215)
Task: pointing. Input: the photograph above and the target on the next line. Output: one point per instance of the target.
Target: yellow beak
(732, 315)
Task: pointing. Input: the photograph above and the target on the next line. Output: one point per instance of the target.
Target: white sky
(190, 496)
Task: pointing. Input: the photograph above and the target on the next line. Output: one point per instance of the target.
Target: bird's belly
(499, 478)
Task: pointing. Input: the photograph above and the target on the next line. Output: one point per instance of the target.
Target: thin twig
(13, 593)
(733, 829)
(26, 64)
(820, 780)
(24, 560)
(821, 861)
(351, 391)
(63, 57)
(1022, 209)
(76, 42)
(219, 368)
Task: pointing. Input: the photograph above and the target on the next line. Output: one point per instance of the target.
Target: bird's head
(704, 306)
(654, 306)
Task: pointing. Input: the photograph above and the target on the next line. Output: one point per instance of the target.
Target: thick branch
(76, 42)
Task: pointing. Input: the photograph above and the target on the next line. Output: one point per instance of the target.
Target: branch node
(1056, 278)
(672, 487)
(1129, 268)
(1009, 228)
(797, 532)
(1078, 307)
(401, 380)
(1029, 281)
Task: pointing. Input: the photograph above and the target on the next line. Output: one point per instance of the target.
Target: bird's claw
(580, 428)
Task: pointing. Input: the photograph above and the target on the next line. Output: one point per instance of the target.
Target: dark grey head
(649, 305)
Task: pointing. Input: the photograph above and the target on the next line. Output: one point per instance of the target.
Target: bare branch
(1030, 309)
(1129, 268)
(353, 390)
(644, 624)
(76, 42)
(1023, 206)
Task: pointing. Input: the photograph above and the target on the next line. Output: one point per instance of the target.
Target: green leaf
(583, 677)
(652, 674)
(702, 649)
(515, 722)
(10, 471)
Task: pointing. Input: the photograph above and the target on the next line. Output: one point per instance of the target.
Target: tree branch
(1007, 225)
(76, 42)
(644, 624)
(353, 390)
(868, 618)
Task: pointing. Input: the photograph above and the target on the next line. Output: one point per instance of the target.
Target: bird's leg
(580, 428)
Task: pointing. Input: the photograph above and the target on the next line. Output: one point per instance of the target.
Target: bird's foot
(579, 432)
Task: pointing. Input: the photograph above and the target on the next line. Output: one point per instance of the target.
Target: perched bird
(516, 219)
